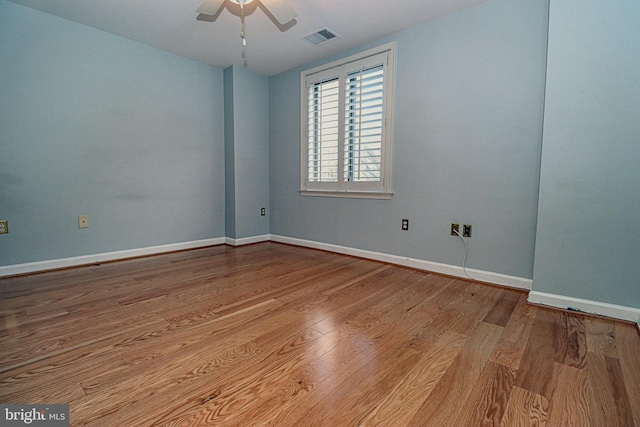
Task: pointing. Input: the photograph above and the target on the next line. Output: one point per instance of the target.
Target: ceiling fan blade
(210, 7)
(279, 10)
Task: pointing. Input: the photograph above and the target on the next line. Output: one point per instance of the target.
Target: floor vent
(320, 37)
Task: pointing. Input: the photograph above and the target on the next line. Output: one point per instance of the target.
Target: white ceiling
(172, 25)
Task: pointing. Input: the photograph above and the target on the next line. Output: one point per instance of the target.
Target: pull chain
(244, 41)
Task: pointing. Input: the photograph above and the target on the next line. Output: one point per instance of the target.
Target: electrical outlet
(263, 211)
(466, 230)
(455, 227)
(4, 226)
(405, 224)
(83, 221)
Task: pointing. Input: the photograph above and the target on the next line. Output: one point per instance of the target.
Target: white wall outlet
(83, 221)
(4, 226)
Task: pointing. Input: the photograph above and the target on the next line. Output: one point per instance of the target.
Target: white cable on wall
(464, 259)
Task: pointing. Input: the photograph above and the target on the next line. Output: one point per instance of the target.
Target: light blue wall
(588, 240)
(468, 131)
(247, 156)
(141, 140)
(92, 123)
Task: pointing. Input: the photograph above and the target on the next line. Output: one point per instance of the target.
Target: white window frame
(382, 55)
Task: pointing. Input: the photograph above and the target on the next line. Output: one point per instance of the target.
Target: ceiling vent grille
(321, 37)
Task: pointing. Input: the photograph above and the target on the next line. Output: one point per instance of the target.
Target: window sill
(348, 194)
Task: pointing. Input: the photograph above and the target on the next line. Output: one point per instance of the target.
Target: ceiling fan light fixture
(278, 9)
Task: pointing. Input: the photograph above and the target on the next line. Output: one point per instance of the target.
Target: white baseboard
(552, 300)
(450, 270)
(32, 267)
(246, 240)
(593, 307)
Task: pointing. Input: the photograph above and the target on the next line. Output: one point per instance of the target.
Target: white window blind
(323, 131)
(346, 127)
(363, 125)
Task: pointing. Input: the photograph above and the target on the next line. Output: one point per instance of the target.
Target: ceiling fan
(277, 8)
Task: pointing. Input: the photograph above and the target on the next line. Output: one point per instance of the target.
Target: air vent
(321, 37)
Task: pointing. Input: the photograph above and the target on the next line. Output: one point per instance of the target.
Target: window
(346, 126)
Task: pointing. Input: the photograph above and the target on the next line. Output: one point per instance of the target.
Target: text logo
(34, 415)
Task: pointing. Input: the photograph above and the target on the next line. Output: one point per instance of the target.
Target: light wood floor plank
(571, 342)
(488, 401)
(401, 403)
(602, 405)
(367, 335)
(503, 309)
(512, 343)
(568, 405)
(537, 364)
(445, 402)
(601, 336)
(628, 349)
(620, 396)
(526, 409)
(351, 361)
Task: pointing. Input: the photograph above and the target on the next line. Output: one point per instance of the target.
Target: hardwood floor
(270, 334)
